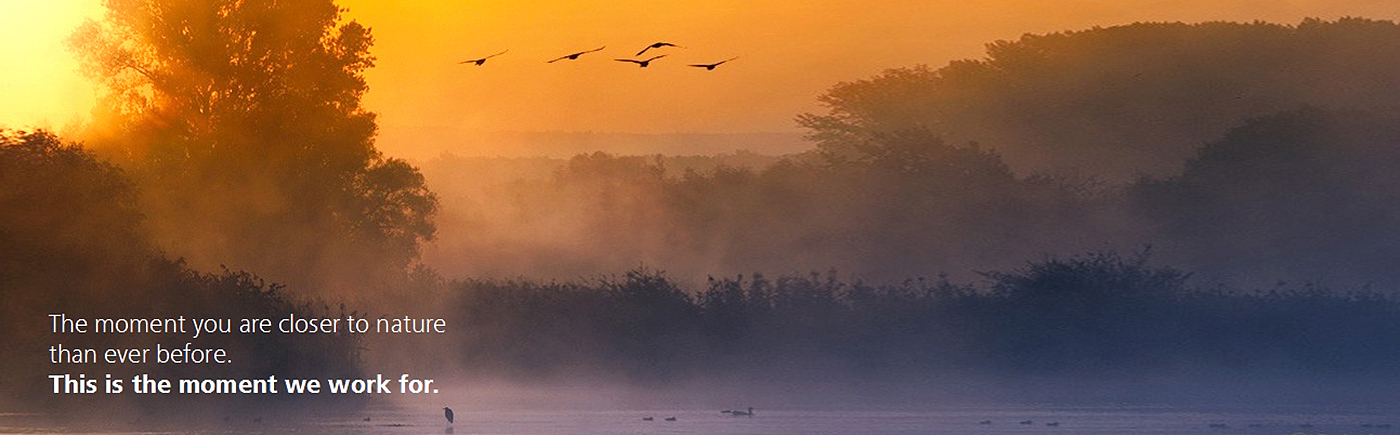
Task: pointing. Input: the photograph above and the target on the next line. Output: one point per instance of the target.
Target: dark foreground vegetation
(74, 244)
(1099, 317)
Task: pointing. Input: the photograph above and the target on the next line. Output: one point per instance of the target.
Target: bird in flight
(575, 55)
(657, 45)
(711, 66)
(641, 63)
(481, 61)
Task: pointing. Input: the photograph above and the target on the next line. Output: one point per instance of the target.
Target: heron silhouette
(576, 55)
(447, 412)
(481, 61)
(657, 45)
(711, 66)
(641, 63)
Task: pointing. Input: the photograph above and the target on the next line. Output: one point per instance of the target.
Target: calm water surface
(386, 419)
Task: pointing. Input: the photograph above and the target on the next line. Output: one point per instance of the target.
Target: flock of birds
(637, 58)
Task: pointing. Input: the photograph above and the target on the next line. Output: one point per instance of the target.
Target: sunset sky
(789, 52)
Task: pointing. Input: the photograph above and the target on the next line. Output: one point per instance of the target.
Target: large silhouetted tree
(243, 123)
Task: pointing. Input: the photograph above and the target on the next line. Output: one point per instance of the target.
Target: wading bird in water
(447, 412)
(576, 55)
(711, 66)
(481, 61)
(657, 45)
(641, 63)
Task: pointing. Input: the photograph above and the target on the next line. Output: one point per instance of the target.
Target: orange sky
(790, 51)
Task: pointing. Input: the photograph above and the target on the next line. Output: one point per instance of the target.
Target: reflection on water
(386, 419)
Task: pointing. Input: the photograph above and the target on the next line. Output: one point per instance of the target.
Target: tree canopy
(243, 123)
(1309, 192)
(1120, 101)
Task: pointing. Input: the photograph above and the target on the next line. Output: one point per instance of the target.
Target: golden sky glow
(789, 52)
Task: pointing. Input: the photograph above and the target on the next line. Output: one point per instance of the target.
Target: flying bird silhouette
(657, 45)
(711, 66)
(480, 61)
(641, 63)
(575, 55)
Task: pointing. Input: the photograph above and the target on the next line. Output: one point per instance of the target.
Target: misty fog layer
(1301, 196)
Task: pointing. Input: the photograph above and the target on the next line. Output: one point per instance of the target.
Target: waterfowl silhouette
(648, 419)
(657, 45)
(985, 422)
(641, 63)
(575, 55)
(711, 66)
(670, 419)
(738, 413)
(481, 61)
(447, 412)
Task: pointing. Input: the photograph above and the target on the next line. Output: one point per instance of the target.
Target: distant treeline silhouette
(1122, 101)
(1098, 316)
(1298, 196)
